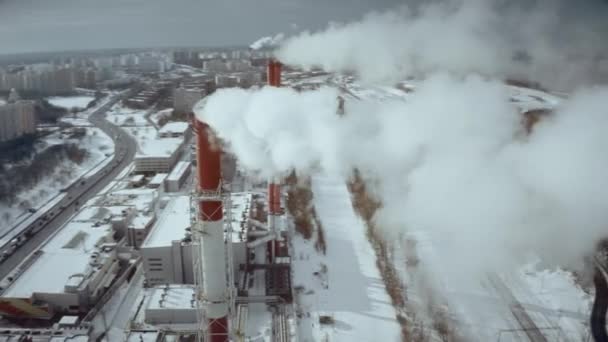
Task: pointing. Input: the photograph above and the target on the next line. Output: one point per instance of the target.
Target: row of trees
(23, 177)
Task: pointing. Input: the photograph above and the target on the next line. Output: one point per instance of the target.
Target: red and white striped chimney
(274, 185)
(213, 250)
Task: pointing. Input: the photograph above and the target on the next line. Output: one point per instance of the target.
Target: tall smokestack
(274, 187)
(213, 250)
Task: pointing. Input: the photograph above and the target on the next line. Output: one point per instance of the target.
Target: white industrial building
(157, 181)
(178, 176)
(174, 129)
(171, 304)
(167, 252)
(132, 213)
(68, 274)
(158, 155)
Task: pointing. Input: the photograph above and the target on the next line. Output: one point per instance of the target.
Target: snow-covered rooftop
(70, 102)
(172, 223)
(178, 170)
(145, 336)
(159, 147)
(172, 297)
(158, 179)
(68, 253)
(174, 127)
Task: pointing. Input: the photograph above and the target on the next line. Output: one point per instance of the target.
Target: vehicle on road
(16, 242)
(32, 210)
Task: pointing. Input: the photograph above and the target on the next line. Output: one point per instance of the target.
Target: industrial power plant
(226, 261)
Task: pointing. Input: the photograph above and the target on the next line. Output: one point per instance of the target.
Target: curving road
(600, 302)
(77, 194)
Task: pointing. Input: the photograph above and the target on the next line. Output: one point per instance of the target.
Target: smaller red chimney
(274, 73)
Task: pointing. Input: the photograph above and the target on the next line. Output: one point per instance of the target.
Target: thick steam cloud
(453, 161)
(529, 40)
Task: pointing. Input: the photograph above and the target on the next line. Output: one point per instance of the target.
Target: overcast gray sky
(47, 25)
(43, 25)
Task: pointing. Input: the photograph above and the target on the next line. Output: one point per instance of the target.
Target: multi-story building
(176, 129)
(226, 81)
(150, 63)
(17, 118)
(167, 251)
(184, 99)
(177, 177)
(215, 65)
(44, 78)
(159, 155)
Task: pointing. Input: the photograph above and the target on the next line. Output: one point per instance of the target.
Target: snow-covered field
(480, 308)
(123, 116)
(97, 143)
(156, 116)
(69, 102)
(351, 290)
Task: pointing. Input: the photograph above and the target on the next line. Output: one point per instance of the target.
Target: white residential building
(17, 118)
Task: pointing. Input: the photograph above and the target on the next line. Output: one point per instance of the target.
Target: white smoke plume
(505, 39)
(452, 161)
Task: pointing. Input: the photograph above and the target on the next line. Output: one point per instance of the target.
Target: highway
(78, 193)
(600, 302)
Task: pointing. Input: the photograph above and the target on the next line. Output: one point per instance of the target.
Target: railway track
(532, 331)
(280, 327)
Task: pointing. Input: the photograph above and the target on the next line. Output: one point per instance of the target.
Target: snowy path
(351, 291)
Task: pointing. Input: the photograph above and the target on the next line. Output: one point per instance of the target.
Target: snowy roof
(159, 147)
(174, 127)
(172, 223)
(158, 179)
(71, 101)
(145, 336)
(140, 198)
(172, 297)
(68, 253)
(178, 170)
(137, 178)
(141, 221)
(71, 320)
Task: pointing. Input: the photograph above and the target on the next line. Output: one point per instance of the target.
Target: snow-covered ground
(81, 118)
(69, 102)
(482, 308)
(100, 149)
(351, 290)
(156, 116)
(123, 116)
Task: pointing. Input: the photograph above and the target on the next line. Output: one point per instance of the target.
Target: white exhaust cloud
(502, 39)
(453, 161)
